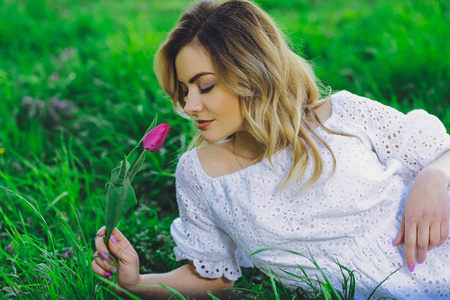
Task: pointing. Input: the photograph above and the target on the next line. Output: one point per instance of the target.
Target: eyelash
(204, 91)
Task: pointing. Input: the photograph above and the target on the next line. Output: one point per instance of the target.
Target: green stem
(137, 164)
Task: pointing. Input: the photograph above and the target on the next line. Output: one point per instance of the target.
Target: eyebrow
(193, 79)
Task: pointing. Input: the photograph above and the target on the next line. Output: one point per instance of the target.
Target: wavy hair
(277, 89)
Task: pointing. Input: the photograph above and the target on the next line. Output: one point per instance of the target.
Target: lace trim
(229, 268)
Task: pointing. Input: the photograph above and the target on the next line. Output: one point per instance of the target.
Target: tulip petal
(155, 138)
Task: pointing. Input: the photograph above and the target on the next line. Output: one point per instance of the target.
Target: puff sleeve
(415, 139)
(197, 236)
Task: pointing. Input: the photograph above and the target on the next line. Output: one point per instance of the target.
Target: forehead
(190, 61)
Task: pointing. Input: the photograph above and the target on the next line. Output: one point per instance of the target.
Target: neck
(246, 146)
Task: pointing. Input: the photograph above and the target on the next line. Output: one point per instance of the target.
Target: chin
(212, 139)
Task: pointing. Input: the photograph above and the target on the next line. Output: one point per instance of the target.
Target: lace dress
(352, 216)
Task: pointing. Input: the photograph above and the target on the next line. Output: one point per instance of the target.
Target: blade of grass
(274, 288)
(373, 292)
(113, 284)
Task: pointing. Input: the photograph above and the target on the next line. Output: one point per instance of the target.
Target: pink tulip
(120, 196)
(155, 138)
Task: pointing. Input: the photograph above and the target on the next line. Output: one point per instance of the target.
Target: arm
(425, 217)
(185, 279)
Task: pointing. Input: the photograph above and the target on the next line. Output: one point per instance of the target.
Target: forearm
(185, 280)
(439, 169)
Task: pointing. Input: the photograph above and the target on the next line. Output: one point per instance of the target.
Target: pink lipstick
(202, 124)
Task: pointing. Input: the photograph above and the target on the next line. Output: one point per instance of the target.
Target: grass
(77, 91)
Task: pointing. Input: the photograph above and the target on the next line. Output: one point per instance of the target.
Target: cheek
(236, 116)
(234, 106)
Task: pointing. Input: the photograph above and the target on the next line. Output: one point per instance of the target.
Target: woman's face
(215, 109)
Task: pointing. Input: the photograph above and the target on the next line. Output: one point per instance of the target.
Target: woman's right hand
(124, 254)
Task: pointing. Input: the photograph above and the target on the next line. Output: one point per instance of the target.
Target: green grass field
(77, 92)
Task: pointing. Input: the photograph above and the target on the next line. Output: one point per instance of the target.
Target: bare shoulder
(323, 110)
(217, 159)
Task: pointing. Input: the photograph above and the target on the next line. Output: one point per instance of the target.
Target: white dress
(352, 216)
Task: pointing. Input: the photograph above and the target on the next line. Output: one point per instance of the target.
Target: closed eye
(204, 91)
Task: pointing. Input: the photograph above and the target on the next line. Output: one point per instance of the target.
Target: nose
(193, 104)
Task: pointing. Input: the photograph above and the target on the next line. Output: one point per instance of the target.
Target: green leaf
(120, 197)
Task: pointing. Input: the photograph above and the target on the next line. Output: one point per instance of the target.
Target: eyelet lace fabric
(351, 215)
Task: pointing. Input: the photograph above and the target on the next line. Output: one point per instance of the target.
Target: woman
(279, 166)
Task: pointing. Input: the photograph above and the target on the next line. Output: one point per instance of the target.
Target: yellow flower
(2, 151)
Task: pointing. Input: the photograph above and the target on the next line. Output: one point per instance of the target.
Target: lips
(203, 124)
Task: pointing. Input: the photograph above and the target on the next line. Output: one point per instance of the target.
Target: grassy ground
(77, 91)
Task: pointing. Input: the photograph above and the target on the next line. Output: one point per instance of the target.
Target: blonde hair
(277, 88)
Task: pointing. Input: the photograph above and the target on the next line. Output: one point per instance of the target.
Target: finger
(410, 245)
(401, 233)
(118, 241)
(101, 231)
(102, 250)
(423, 238)
(125, 255)
(100, 271)
(121, 248)
(118, 237)
(105, 264)
(435, 235)
(444, 232)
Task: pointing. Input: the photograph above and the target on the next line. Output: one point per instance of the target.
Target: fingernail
(105, 255)
(113, 239)
(98, 232)
(107, 274)
(114, 270)
(420, 262)
(395, 241)
(411, 268)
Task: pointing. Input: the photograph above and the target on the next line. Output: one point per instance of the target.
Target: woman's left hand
(425, 218)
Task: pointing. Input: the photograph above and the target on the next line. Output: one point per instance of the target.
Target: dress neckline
(275, 156)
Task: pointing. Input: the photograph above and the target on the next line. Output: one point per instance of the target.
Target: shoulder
(217, 159)
(345, 100)
(322, 109)
(342, 100)
(357, 107)
(213, 160)
(187, 166)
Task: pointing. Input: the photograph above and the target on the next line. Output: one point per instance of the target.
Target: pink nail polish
(113, 239)
(411, 267)
(98, 232)
(105, 255)
(114, 270)
(395, 241)
(420, 262)
(107, 274)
